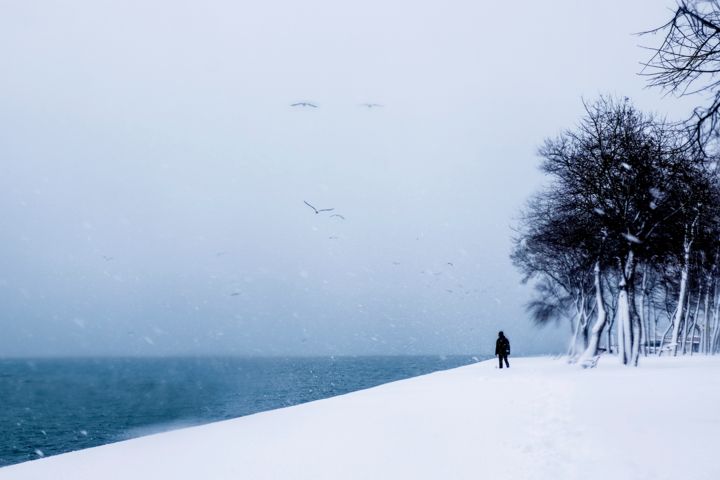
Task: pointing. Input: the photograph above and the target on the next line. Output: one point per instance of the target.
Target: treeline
(625, 237)
(624, 241)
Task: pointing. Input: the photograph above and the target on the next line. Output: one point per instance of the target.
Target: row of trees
(625, 239)
(626, 235)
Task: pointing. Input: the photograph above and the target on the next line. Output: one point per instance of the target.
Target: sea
(52, 406)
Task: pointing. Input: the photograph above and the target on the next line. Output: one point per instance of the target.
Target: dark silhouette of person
(502, 349)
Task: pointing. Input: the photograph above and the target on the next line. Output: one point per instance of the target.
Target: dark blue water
(52, 406)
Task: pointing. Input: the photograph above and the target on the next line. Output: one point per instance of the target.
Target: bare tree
(688, 62)
(626, 195)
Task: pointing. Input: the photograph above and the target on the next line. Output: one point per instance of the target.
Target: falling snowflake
(631, 238)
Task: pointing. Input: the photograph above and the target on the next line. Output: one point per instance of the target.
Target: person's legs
(506, 361)
(500, 360)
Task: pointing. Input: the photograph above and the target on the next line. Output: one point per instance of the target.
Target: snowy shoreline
(541, 419)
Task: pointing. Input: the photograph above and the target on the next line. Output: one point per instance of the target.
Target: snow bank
(541, 419)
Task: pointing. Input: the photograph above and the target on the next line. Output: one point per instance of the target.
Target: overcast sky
(152, 172)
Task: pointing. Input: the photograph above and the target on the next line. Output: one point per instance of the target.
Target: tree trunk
(623, 326)
(643, 314)
(677, 318)
(636, 329)
(572, 348)
(588, 358)
(705, 329)
(662, 340)
(716, 323)
(654, 331)
(623, 315)
(685, 324)
(694, 324)
(637, 334)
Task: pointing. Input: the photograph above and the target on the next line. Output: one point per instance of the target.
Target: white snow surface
(541, 419)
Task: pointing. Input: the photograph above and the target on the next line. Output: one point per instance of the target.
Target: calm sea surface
(52, 406)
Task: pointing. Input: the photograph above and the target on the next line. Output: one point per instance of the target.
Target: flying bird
(338, 216)
(235, 294)
(318, 210)
(370, 105)
(107, 259)
(451, 264)
(304, 104)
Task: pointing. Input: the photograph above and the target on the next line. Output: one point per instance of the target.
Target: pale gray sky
(159, 133)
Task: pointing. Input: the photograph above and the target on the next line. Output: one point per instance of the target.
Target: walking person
(502, 349)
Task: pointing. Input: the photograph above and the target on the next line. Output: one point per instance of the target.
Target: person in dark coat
(502, 349)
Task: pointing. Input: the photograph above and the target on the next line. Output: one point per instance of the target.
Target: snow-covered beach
(541, 419)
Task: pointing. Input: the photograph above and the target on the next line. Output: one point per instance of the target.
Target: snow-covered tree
(624, 202)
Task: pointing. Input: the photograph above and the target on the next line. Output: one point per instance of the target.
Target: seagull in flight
(318, 210)
(370, 105)
(338, 216)
(304, 104)
(108, 259)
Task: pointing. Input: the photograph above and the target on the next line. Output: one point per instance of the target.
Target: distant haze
(152, 172)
